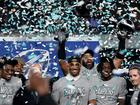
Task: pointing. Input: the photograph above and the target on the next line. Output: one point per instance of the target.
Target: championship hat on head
(119, 56)
(74, 59)
(88, 51)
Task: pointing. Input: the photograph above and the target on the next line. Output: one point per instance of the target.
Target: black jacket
(25, 97)
(138, 102)
(46, 100)
(129, 96)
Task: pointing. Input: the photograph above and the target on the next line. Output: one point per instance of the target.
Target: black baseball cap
(88, 51)
(119, 56)
(74, 59)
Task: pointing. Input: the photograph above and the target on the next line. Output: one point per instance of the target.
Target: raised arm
(62, 57)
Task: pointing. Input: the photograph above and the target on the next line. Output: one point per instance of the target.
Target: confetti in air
(29, 17)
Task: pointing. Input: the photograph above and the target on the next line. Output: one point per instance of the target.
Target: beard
(87, 66)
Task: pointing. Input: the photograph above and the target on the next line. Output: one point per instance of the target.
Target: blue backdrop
(44, 52)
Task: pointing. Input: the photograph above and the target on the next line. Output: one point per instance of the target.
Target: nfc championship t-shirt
(8, 90)
(108, 92)
(77, 92)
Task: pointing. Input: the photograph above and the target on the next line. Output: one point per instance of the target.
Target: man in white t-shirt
(109, 90)
(8, 83)
(73, 89)
(119, 71)
(88, 68)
